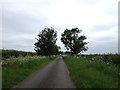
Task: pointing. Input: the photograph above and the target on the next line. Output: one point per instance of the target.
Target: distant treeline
(114, 58)
(15, 53)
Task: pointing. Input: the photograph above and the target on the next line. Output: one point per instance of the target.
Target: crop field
(94, 71)
(15, 70)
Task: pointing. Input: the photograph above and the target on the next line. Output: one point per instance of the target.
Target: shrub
(14, 53)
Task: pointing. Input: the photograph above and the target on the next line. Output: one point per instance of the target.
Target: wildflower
(93, 58)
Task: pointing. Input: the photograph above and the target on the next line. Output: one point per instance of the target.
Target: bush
(114, 58)
(14, 53)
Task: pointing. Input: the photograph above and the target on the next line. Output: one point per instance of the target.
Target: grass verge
(92, 74)
(15, 70)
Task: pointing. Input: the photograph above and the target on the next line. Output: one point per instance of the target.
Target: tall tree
(46, 42)
(55, 50)
(73, 41)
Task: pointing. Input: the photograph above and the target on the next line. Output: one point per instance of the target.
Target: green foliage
(68, 53)
(73, 41)
(112, 58)
(15, 53)
(46, 42)
(55, 50)
(60, 52)
(15, 70)
(96, 73)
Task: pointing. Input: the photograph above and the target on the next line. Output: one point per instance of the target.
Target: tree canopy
(73, 41)
(46, 42)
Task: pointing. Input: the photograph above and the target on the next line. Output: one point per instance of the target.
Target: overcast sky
(22, 20)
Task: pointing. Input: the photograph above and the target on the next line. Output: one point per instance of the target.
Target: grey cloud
(89, 1)
(17, 22)
(105, 39)
(29, 47)
(20, 43)
(20, 30)
(97, 29)
(103, 47)
(103, 27)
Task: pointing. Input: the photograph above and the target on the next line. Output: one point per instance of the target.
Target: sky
(22, 20)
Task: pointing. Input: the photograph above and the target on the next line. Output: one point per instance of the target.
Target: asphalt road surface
(54, 75)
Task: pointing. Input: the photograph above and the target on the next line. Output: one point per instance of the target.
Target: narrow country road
(54, 75)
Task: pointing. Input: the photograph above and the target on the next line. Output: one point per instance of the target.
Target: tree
(68, 52)
(60, 52)
(73, 41)
(55, 50)
(46, 42)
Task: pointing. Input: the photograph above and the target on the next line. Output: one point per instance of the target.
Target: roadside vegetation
(17, 69)
(15, 53)
(94, 71)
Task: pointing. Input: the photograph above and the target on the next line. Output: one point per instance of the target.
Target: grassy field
(87, 72)
(15, 70)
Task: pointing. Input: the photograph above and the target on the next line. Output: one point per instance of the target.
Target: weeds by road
(15, 70)
(87, 73)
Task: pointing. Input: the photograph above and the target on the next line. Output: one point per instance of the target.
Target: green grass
(87, 73)
(15, 70)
